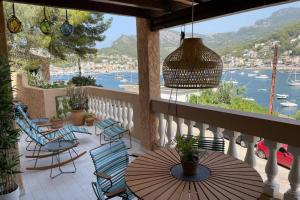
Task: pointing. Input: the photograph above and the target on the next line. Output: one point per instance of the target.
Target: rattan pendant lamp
(192, 65)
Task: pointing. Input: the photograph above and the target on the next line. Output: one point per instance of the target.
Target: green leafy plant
(9, 158)
(187, 148)
(56, 118)
(83, 81)
(78, 99)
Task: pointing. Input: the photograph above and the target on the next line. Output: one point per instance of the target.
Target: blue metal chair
(103, 124)
(114, 133)
(111, 161)
(42, 141)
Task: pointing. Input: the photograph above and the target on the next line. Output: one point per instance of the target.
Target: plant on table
(9, 157)
(187, 148)
(56, 122)
(78, 103)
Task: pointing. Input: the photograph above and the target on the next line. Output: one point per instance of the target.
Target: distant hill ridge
(169, 40)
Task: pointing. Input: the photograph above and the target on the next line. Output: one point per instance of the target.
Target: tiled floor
(39, 186)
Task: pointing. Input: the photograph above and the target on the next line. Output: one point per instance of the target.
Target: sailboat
(295, 81)
(288, 104)
(282, 96)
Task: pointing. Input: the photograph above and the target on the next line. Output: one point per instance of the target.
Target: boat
(288, 104)
(295, 81)
(250, 75)
(124, 80)
(249, 99)
(232, 72)
(118, 77)
(282, 96)
(232, 81)
(256, 71)
(262, 90)
(242, 73)
(262, 76)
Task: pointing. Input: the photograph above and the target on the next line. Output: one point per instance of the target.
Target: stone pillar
(149, 80)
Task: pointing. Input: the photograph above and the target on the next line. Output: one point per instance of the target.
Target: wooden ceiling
(162, 13)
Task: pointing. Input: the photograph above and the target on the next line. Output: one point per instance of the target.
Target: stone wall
(40, 102)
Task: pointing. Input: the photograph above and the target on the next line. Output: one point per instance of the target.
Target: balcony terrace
(152, 121)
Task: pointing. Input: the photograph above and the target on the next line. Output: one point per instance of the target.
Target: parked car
(284, 158)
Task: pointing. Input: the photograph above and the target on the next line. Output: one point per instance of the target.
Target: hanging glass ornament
(66, 28)
(14, 25)
(46, 25)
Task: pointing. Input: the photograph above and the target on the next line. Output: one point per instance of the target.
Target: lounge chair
(212, 143)
(110, 162)
(41, 127)
(104, 124)
(114, 133)
(42, 141)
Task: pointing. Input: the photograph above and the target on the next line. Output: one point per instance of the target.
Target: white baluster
(108, 108)
(90, 99)
(100, 107)
(161, 128)
(125, 122)
(114, 109)
(129, 116)
(232, 135)
(294, 175)
(104, 108)
(120, 112)
(170, 131)
(202, 129)
(111, 111)
(250, 157)
(96, 105)
(190, 125)
(179, 130)
(271, 187)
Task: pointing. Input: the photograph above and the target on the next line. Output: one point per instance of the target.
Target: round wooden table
(149, 177)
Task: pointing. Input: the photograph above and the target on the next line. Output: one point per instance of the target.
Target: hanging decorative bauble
(192, 65)
(66, 28)
(46, 25)
(14, 25)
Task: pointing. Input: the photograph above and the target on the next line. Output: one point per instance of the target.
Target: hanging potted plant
(78, 103)
(187, 149)
(9, 158)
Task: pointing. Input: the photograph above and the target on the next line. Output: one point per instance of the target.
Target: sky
(123, 25)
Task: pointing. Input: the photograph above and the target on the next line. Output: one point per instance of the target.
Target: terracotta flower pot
(89, 121)
(189, 167)
(57, 123)
(77, 117)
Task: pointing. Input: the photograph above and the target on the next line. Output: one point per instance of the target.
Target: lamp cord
(67, 20)
(192, 18)
(13, 7)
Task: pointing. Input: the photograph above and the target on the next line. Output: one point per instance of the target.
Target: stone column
(149, 80)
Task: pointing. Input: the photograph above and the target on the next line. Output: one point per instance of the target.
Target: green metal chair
(111, 161)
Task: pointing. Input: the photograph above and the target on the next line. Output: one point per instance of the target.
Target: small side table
(57, 147)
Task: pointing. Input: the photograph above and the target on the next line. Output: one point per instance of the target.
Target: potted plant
(78, 103)
(56, 122)
(89, 119)
(9, 157)
(187, 148)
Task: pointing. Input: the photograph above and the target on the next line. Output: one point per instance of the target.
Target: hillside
(220, 42)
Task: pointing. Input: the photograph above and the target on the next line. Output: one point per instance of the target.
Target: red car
(284, 158)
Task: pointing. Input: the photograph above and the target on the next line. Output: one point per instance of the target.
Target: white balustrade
(161, 129)
(125, 112)
(129, 116)
(170, 132)
(120, 112)
(250, 157)
(179, 130)
(271, 169)
(202, 129)
(190, 125)
(294, 175)
(232, 149)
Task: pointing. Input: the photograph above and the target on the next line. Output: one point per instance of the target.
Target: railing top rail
(277, 129)
(113, 94)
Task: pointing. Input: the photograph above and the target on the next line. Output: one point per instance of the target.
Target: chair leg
(37, 156)
(129, 139)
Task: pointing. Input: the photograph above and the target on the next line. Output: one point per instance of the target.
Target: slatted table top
(148, 177)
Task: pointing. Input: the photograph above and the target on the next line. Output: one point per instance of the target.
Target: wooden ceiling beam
(211, 9)
(88, 5)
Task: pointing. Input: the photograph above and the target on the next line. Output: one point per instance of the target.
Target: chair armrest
(103, 175)
(44, 125)
(135, 155)
(54, 139)
(115, 193)
(48, 132)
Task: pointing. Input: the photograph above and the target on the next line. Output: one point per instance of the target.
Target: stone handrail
(121, 106)
(219, 121)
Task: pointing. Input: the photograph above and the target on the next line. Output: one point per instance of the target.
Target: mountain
(220, 42)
